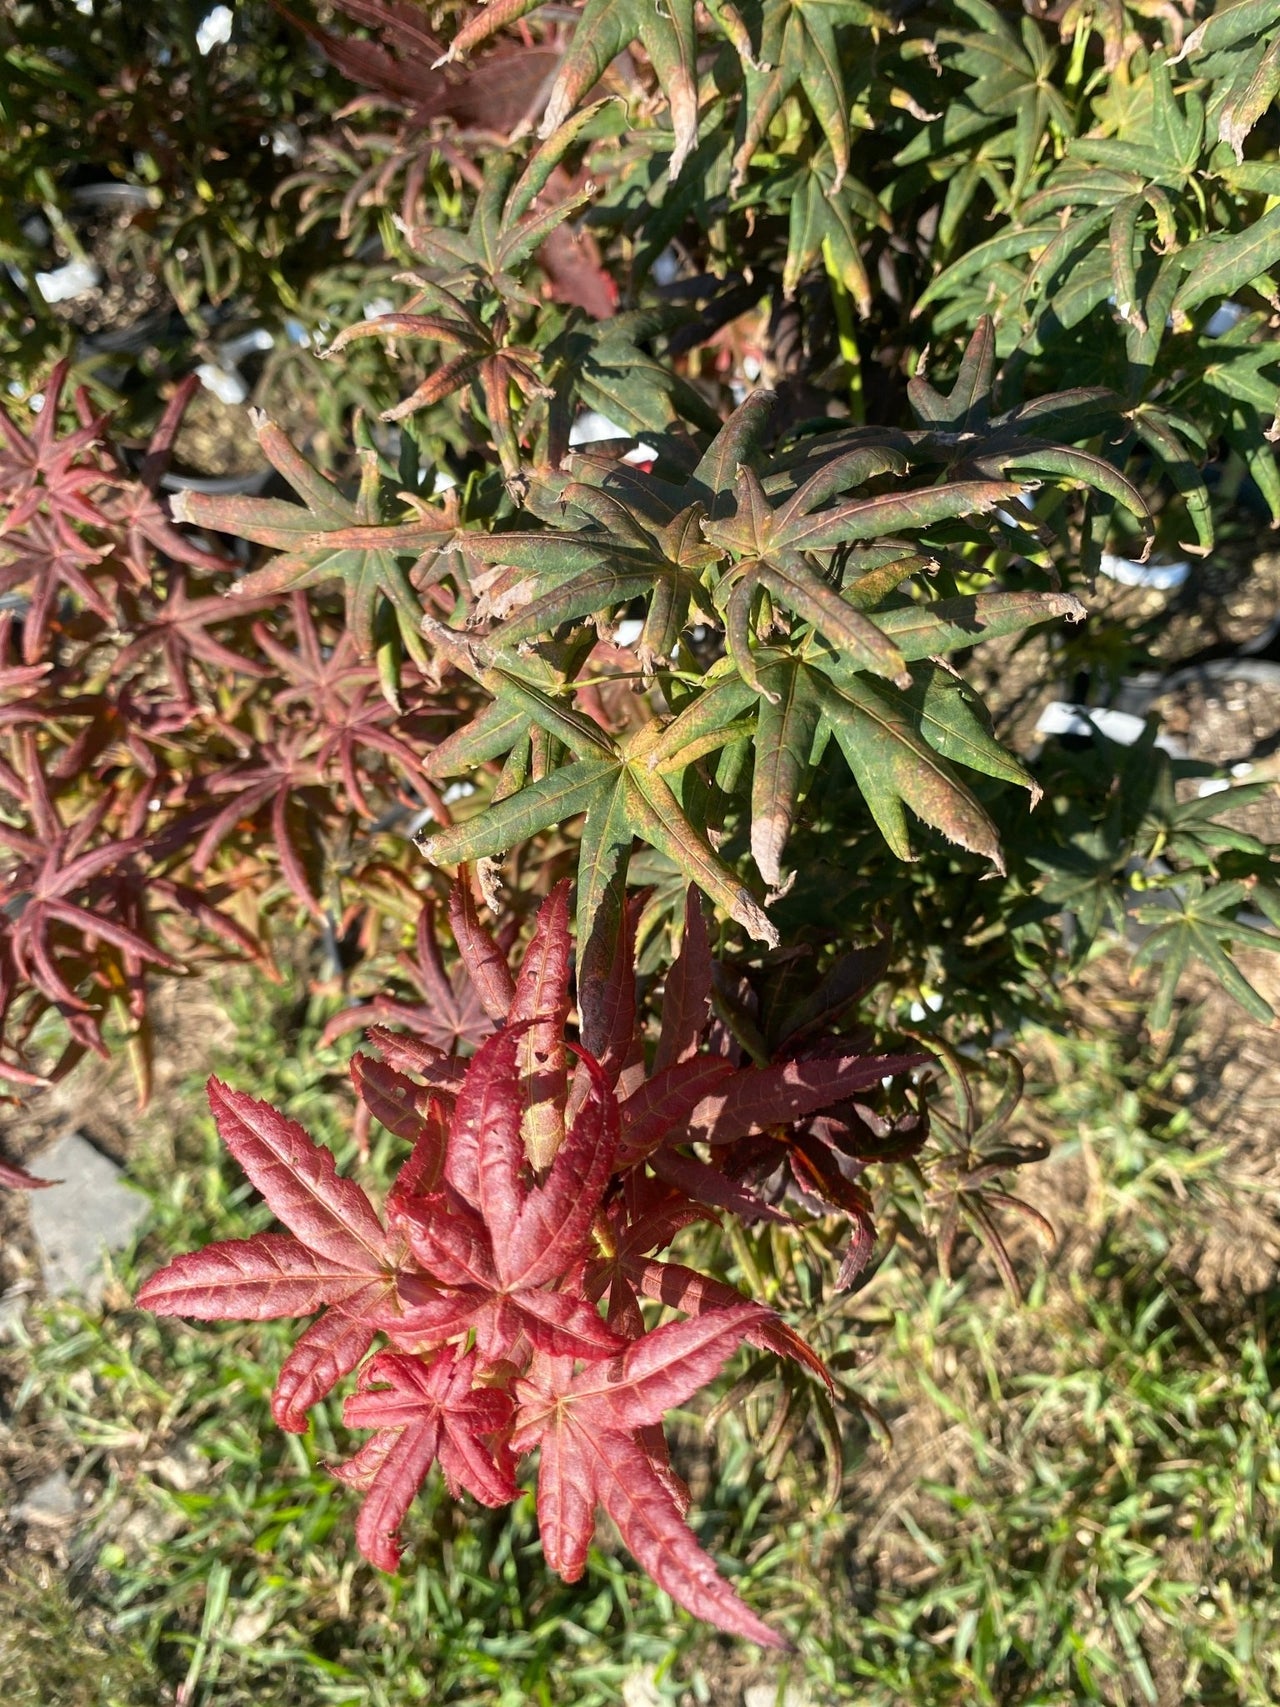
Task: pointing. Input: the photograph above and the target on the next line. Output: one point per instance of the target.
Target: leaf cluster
(534, 1191)
(177, 768)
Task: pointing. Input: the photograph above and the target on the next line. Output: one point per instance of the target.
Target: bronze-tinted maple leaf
(336, 694)
(486, 356)
(45, 556)
(52, 490)
(694, 1095)
(494, 95)
(604, 29)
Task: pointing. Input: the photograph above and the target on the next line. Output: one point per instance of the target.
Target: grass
(1082, 1502)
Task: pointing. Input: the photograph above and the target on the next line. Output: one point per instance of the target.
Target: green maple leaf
(507, 226)
(486, 358)
(609, 782)
(328, 537)
(579, 573)
(604, 365)
(1195, 922)
(817, 569)
(827, 223)
(669, 36)
(474, 291)
(799, 50)
(902, 744)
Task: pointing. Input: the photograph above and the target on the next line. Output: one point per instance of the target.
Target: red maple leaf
(590, 1428)
(498, 1247)
(134, 509)
(53, 488)
(46, 555)
(449, 1010)
(18, 1179)
(423, 1412)
(179, 629)
(54, 924)
(282, 774)
(337, 1253)
(41, 468)
(332, 692)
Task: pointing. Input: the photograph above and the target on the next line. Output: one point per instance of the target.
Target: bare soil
(1227, 600)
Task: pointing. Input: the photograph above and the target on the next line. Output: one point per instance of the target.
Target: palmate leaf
(1012, 442)
(499, 1250)
(897, 745)
(487, 358)
(1218, 265)
(604, 29)
(1009, 74)
(593, 1451)
(423, 1413)
(668, 35)
(828, 225)
(896, 738)
(610, 781)
(337, 1253)
(608, 366)
(506, 229)
(622, 797)
(82, 907)
(896, 742)
(326, 538)
(1199, 922)
(814, 548)
(1119, 221)
(1251, 73)
(583, 573)
(800, 51)
(508, 1282)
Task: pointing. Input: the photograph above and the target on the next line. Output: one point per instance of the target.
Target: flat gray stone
(74, 1223)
